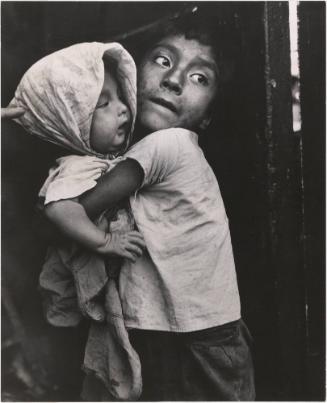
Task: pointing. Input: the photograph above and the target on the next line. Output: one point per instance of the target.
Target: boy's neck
(139, 133)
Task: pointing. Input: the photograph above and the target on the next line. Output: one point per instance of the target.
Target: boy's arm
(12, 112)
(70, 217)
(117, 184)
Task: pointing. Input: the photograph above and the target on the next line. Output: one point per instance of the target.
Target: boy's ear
(205, 122)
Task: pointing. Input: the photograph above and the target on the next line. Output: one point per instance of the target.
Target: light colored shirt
(186, 281)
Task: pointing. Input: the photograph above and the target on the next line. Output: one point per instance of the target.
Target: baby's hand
(129, 245)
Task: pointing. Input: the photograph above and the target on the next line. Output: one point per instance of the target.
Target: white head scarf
(60, 93)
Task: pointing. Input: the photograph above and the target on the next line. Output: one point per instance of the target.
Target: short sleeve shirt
(186, 280)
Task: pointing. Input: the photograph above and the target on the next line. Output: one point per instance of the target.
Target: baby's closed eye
(102, 104)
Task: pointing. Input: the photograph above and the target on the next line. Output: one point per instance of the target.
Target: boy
(180, 298)
(186, 354)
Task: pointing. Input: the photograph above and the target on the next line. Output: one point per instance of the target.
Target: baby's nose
(123, 109)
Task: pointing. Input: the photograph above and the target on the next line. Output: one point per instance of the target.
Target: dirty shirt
(186, 281)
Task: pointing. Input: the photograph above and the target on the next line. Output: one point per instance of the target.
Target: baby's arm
(70, 217)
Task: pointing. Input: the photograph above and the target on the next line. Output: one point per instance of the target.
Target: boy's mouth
(163, 102)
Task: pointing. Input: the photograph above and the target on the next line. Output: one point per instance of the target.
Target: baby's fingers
(131, 247)
(136, 238)
(103, 165)
(97, 169)
(128, 255)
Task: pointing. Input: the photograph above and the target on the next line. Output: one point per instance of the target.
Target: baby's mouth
(123, 129)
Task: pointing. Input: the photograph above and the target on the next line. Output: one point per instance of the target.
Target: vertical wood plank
(312, 17)
(285, 203)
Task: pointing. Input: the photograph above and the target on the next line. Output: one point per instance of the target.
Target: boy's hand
(11, 112)
(129, 245)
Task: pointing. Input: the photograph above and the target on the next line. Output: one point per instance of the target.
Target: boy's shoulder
(166, 143)
(170, 136)
(173, 131)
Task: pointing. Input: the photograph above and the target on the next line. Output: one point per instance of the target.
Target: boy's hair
(217, 31)
(207, 30)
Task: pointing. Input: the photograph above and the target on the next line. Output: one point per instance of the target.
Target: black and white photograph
(163, 201)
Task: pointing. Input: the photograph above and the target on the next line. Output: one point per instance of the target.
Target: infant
(83, 98)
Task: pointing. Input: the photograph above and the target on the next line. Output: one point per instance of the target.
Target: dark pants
(210, 364)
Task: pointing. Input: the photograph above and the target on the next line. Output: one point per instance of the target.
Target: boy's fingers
(12, 112)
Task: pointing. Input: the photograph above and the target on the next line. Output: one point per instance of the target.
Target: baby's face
(111, 120)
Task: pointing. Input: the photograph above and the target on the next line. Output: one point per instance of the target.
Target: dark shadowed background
(272, 181)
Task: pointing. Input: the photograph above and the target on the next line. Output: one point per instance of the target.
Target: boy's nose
(173, 81)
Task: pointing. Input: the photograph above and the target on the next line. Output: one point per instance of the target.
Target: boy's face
(177, 82)
(111, 118)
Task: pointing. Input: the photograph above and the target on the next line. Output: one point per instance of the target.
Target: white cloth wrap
(60, 93)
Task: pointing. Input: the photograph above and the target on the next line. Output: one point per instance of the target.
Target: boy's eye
(163, 61)
(200, 79)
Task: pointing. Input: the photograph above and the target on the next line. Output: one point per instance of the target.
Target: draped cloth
(59, 92)
(112, 366)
